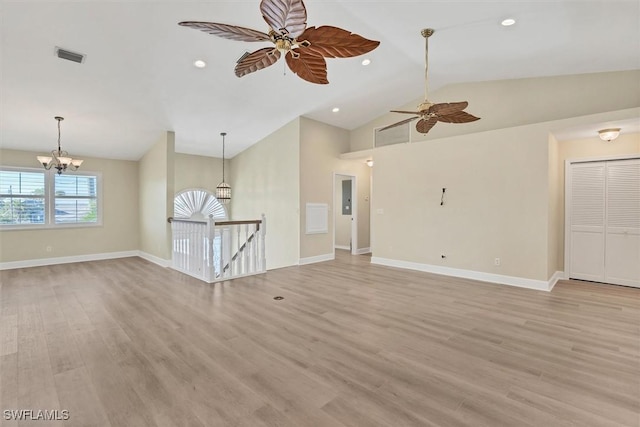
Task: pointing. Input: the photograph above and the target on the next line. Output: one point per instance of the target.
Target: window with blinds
(76, 199)
(22, 197)
(35, 198)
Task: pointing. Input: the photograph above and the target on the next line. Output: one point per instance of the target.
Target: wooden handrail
(248, 221)
(257, 222)
(172, 219)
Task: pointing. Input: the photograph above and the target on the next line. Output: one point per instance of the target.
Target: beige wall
(508, 103)
(205, 172)
(320, 148)
(118, 232)
(265, 179)
(495, 202)
(343, 222)
(555, 209)
(584, 148)
(156, 189)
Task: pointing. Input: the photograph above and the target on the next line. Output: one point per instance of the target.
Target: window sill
(46, 227)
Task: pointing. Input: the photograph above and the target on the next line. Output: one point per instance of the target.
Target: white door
(604, 215)
(622, 252)
(587, 221)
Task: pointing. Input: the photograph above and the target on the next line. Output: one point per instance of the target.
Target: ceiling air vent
(69, 56)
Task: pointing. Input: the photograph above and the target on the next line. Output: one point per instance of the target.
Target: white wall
(156, 190)
(265, 179)
(119, 230)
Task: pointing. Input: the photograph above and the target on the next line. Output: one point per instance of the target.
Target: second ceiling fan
(430, 113)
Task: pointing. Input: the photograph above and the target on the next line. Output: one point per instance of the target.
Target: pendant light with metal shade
(223, 190)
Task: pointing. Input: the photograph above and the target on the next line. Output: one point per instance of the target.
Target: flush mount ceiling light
(508, 22)
(199, 63)
(223, 190)
(59, 158)
(366, 61)
(609, 134)
(335, 109)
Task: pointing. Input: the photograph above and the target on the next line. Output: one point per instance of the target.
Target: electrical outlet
(496, 261)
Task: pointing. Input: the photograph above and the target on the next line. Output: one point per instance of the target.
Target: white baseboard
(154, 259)
(363, 251)
(343, 247)
(319, 258)
(66, 260)
(521, 282)
(558, 275)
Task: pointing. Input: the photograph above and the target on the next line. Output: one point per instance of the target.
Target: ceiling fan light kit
(428, 112)
(304, 48)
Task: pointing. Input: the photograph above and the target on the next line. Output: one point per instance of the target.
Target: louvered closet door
(622, 247)
(587, 218)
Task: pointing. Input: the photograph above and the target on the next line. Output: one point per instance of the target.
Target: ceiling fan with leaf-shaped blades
(429, 113)
(305, 49)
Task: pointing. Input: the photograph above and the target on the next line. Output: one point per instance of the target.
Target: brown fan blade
(458, 117)
(308, 66)
(405, 112)
(424, 126)
(288, 15)
(399, 123)
(448, 108)
(257, 60)
(333, 42)
(231, 32)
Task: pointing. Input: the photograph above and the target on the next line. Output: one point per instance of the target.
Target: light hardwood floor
(127, 343)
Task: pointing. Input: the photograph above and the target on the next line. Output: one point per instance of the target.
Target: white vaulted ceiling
(138, 79)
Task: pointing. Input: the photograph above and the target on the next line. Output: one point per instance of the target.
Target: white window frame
(49, 201)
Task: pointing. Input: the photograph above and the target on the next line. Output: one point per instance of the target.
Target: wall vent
(69, 56)
(395, 135)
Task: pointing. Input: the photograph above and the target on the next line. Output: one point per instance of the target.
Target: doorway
(345, 213)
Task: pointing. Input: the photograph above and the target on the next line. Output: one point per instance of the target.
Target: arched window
(197, 204)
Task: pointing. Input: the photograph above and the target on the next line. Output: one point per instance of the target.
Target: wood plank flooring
(127, 343)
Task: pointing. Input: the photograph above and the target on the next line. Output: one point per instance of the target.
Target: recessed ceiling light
(508, 22)
(366, 61)
(335, 109)
(199, 63)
